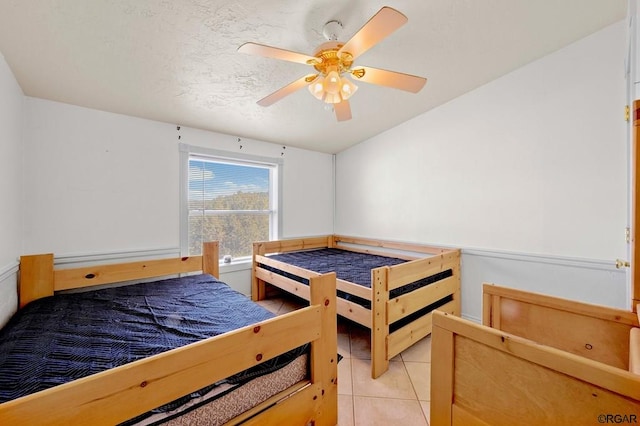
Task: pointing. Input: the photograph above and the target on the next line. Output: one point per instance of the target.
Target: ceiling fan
(333, 60)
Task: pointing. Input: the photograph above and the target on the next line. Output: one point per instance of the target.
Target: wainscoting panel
(591, 281)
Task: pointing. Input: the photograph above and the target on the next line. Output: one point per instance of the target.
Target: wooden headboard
(39, 278)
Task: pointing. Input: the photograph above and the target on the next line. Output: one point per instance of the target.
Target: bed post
(211, 258)
(324, 351)
(442, 365)
(36, 277)
(379, 326)
(257, 285)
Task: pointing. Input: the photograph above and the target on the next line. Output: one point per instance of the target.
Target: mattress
(58, 339)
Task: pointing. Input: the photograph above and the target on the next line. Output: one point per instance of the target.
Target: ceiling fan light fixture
(347, 88)
(333, 98)
(332, 82)
(317, 88)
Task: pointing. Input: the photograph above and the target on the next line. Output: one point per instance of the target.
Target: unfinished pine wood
(416, 268)
(355, 289)
(145, 384)
(442, 369)
(634, 350)
(396, 245)
(503, 379)
(409, 272)
(286, 284)
(36, 277)
(354, 312)
(298, 409)
(66, 279)
(379, 324)
(460, 416)
(324, 353)
(586, 309)
(596, 332)
(211, 258)
(411, 333)
(294, 244)
(408, 303)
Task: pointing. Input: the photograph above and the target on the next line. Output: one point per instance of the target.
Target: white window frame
(275, 190)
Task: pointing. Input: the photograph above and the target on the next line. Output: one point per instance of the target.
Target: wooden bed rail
(121, 393)
(341, 241)
(38, 278)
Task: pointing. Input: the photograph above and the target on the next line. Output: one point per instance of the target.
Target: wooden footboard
(483, 376)
(596, 332)
(422, 262)
(121, 393)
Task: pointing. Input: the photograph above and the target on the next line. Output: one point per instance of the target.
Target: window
(232, 200)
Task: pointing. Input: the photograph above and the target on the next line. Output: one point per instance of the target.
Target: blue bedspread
(58, 339)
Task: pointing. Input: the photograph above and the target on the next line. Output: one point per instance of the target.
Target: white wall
(100, 182)
(11, 118)
(532, 163)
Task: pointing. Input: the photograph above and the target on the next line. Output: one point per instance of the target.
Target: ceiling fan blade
(381, 25)
(343, 110)
(286, 90)
(397, 80)
(276, 53)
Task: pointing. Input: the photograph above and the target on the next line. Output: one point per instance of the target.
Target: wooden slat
(502, 389)
(586, 309)
(396, 245)
(406, 336)
(442, 367)
(289, 393)
(634, 350)
(66, 279)
(286, 267)
(286, 284)
(143, 385)
(602, 375)
(462, 417)
(299, 409)
(409, 303)
(354, 312)
(211, 258)
(36, 277)
(377, 252)
(415, 270)
(324, 352)
(596, 332)
(411, 333)
(379, 325)
(486, 309)
(294, 244)
(354, 289)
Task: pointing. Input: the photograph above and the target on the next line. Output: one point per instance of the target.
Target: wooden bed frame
(537, 360)
(424, 261)
(145, 384)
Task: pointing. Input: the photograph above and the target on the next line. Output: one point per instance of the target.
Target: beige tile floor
(400, 396)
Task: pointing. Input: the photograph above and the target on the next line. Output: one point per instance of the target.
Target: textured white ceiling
(176, 60)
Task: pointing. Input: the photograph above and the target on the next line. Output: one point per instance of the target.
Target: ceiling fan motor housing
(329, 60)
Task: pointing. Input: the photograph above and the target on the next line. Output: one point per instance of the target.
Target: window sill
(235, 265)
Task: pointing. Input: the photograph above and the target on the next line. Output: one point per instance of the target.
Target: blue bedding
(62, 338)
